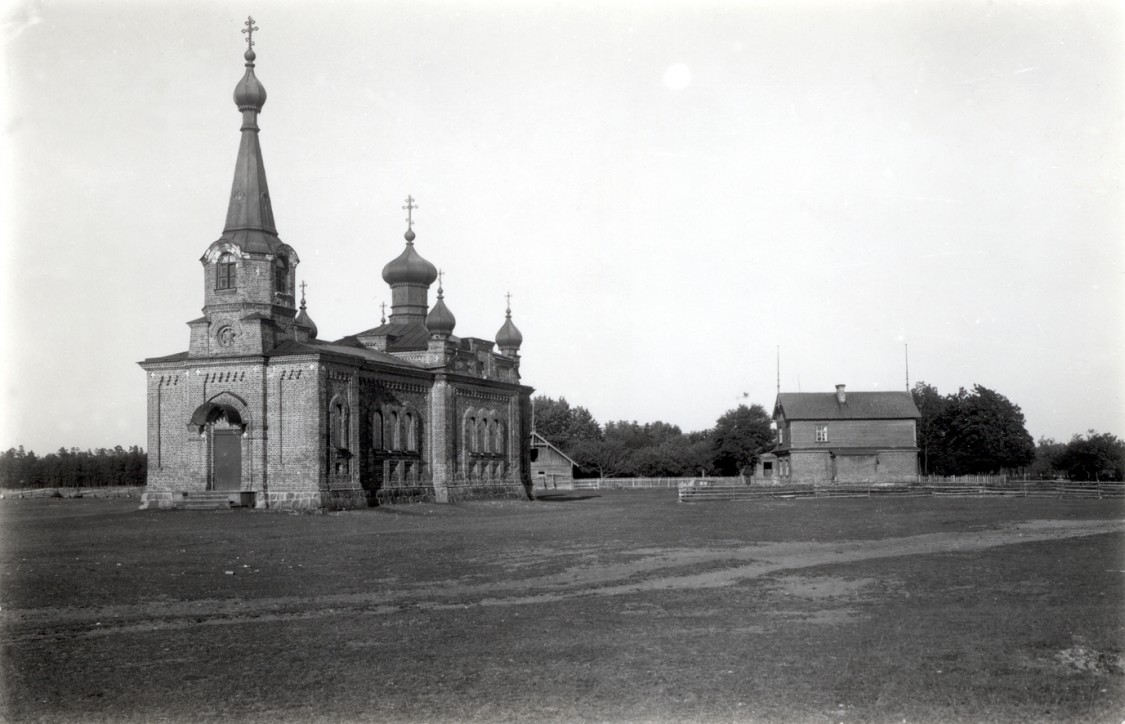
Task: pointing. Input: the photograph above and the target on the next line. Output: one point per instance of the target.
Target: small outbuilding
(551, 468)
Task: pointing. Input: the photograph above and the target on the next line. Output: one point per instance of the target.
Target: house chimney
(841, 397)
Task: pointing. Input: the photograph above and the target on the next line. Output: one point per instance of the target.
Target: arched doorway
(225, 425)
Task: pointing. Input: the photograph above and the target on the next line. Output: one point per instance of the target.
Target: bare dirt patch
(626, 607)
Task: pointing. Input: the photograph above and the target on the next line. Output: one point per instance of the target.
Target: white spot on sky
(677, 77)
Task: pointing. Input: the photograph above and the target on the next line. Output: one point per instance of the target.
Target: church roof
(292, 348)
(406, 337)
(857, 406)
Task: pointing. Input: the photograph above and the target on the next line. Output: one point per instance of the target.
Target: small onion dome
(249, 95)
(409, 267)
(509, 337)
(303, 319)
(440, 320)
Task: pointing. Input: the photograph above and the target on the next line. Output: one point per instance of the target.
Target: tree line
(981, 431)
(968, 432)
(73, 468)
(624, 448)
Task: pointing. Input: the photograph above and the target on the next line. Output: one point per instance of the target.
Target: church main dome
(409, 267)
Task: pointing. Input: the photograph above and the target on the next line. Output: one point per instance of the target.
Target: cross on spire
(303, 285)
(249, 30)
(508, 297)
(440, 274)
(410, 206)
(383, 308)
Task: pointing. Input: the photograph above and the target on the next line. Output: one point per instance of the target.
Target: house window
(822, 433)
(780, 436)
(225, 274)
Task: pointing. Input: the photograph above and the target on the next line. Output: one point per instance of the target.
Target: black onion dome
(409, 267)
(509, 336)
(440, 319)
(249, 94)
(303, 319)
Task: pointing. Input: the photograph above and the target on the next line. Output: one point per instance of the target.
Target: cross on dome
(249, 30)
(410, 206)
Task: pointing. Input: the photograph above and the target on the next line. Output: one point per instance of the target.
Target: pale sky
(671, 191)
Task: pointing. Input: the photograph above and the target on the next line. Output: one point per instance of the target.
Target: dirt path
(652, 569)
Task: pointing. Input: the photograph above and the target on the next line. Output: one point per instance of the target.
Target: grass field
(616, 606)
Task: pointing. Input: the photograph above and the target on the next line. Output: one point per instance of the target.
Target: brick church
(260, 412)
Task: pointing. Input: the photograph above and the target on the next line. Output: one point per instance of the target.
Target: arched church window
(226, 276)
(482, 436)
(281, 275)
(411, 432)
(396, 432)
(338, 424)
(377, 430)
(471, 435)
(498, 437)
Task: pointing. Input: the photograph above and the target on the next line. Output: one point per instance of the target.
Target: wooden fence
(109, 491)
(959, 487)
(638, 483)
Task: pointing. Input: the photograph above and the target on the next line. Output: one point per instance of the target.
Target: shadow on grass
(562, 497)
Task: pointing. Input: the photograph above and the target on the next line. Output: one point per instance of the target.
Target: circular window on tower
(225, 336)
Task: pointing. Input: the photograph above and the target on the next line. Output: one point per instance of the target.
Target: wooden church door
(227, 460)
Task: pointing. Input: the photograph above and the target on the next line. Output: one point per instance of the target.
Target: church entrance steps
(214, 500)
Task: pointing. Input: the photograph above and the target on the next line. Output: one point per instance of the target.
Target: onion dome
(440, 321)
(303, 319)
(409, 267)
(249, 94)
(509, 338)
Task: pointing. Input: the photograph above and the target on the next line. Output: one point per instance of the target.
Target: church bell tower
(248, 273)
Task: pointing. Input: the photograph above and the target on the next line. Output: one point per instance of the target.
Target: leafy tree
(636, 436)
(608, 458)
(739, 438)
(1094, 457)
(1047, 455)
(563, 425)
(981, 432)
(931, 442)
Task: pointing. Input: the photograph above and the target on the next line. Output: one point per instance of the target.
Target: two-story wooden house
(843, 437)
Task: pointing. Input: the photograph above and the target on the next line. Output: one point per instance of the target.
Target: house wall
(852, 433)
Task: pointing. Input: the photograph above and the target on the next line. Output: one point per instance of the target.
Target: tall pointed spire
(250, 215)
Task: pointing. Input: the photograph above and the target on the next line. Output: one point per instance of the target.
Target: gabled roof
(536, 436)
(856, 406)
(342, 347)
(409, 337)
